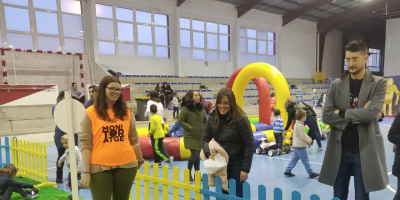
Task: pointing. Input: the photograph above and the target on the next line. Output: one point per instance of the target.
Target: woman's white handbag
(213, 166)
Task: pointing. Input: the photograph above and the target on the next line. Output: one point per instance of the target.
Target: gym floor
(268, 171)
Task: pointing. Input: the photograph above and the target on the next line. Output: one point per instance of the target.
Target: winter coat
(193, 123)
(292, 113)
(177, 129)
(394, 137)
(300, 137)
(237, 140)
(372, 150)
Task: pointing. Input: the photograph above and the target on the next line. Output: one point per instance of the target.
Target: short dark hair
(277, 112)
(357, 46)
(153, 108)
(300, 114)
(73, 83)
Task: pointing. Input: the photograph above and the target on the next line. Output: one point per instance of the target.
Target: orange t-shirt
(111, 145)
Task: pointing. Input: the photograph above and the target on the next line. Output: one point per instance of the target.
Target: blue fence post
(205, 186)
(8, 154)
(277, 194)
(314, 197)
(232, 187)
(296, 195)
(218, 186)
(1, 155)
(262, 192)
(246, 190)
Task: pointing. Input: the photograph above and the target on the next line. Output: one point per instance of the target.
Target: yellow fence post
(155, 184)
(186, 180)
(146, 182)
(197, 183)
(165, 186)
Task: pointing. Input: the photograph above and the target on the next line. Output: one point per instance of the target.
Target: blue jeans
(314, 131)
(300, 153)
(278, 139)
(350, 165)
(234, 173)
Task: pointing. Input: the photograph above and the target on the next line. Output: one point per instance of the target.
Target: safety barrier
(31, 160)
(198, 190)
(7, 156)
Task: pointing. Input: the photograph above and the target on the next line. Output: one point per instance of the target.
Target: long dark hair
(154, 96)
(120, 108)
(165, 83)
(189, 102)
(235, 113)
(60, 96)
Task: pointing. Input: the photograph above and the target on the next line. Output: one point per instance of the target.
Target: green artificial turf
(45, 193)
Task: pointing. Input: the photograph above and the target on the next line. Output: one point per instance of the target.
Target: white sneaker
(320, 149)
(29, 196)
(171, 161)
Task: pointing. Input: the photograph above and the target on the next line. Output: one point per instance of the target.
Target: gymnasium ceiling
(329, 14)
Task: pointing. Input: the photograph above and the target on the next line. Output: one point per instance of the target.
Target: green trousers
(115, 184)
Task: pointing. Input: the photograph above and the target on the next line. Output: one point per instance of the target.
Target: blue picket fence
(262, 191)
(6, 157)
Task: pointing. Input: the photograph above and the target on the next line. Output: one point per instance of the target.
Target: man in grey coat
(355, 145)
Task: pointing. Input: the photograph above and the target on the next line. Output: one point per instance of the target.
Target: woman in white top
(155, 99)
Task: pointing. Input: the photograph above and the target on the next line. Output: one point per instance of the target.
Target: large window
(49, 25)
(374, 62)
(203, 40)
(129, 32)
(257, 46)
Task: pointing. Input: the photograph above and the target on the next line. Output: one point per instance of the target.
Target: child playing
(166, 127)
(278, 128)
(157, 131)
(65, 158)
(177, 129)
(175, 102)
(300, 142)
(8, 185)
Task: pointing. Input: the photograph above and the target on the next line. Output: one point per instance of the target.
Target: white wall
(332, 61)
(392, 48)
(295, 45)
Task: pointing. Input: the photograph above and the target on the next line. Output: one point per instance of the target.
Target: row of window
(137, 33)
(57, 25)
(51, 25)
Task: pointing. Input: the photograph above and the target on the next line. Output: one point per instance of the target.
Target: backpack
(300, 106)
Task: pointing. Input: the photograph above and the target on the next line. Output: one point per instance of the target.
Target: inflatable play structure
(261, 126)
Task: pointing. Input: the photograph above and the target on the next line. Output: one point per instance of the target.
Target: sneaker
(70, 196)
(159, 165)
(320, 149)
(31, 194)
(289, 174)
(67, 185)
(314, 175)
(171, 161)
(191, 178)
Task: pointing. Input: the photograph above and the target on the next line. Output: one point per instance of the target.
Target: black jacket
(6, 182)
(394, 137)
(237, 140)
(167, 88)
(292, 113)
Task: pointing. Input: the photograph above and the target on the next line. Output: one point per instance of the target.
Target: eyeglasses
(347, 60)
(114, 89)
